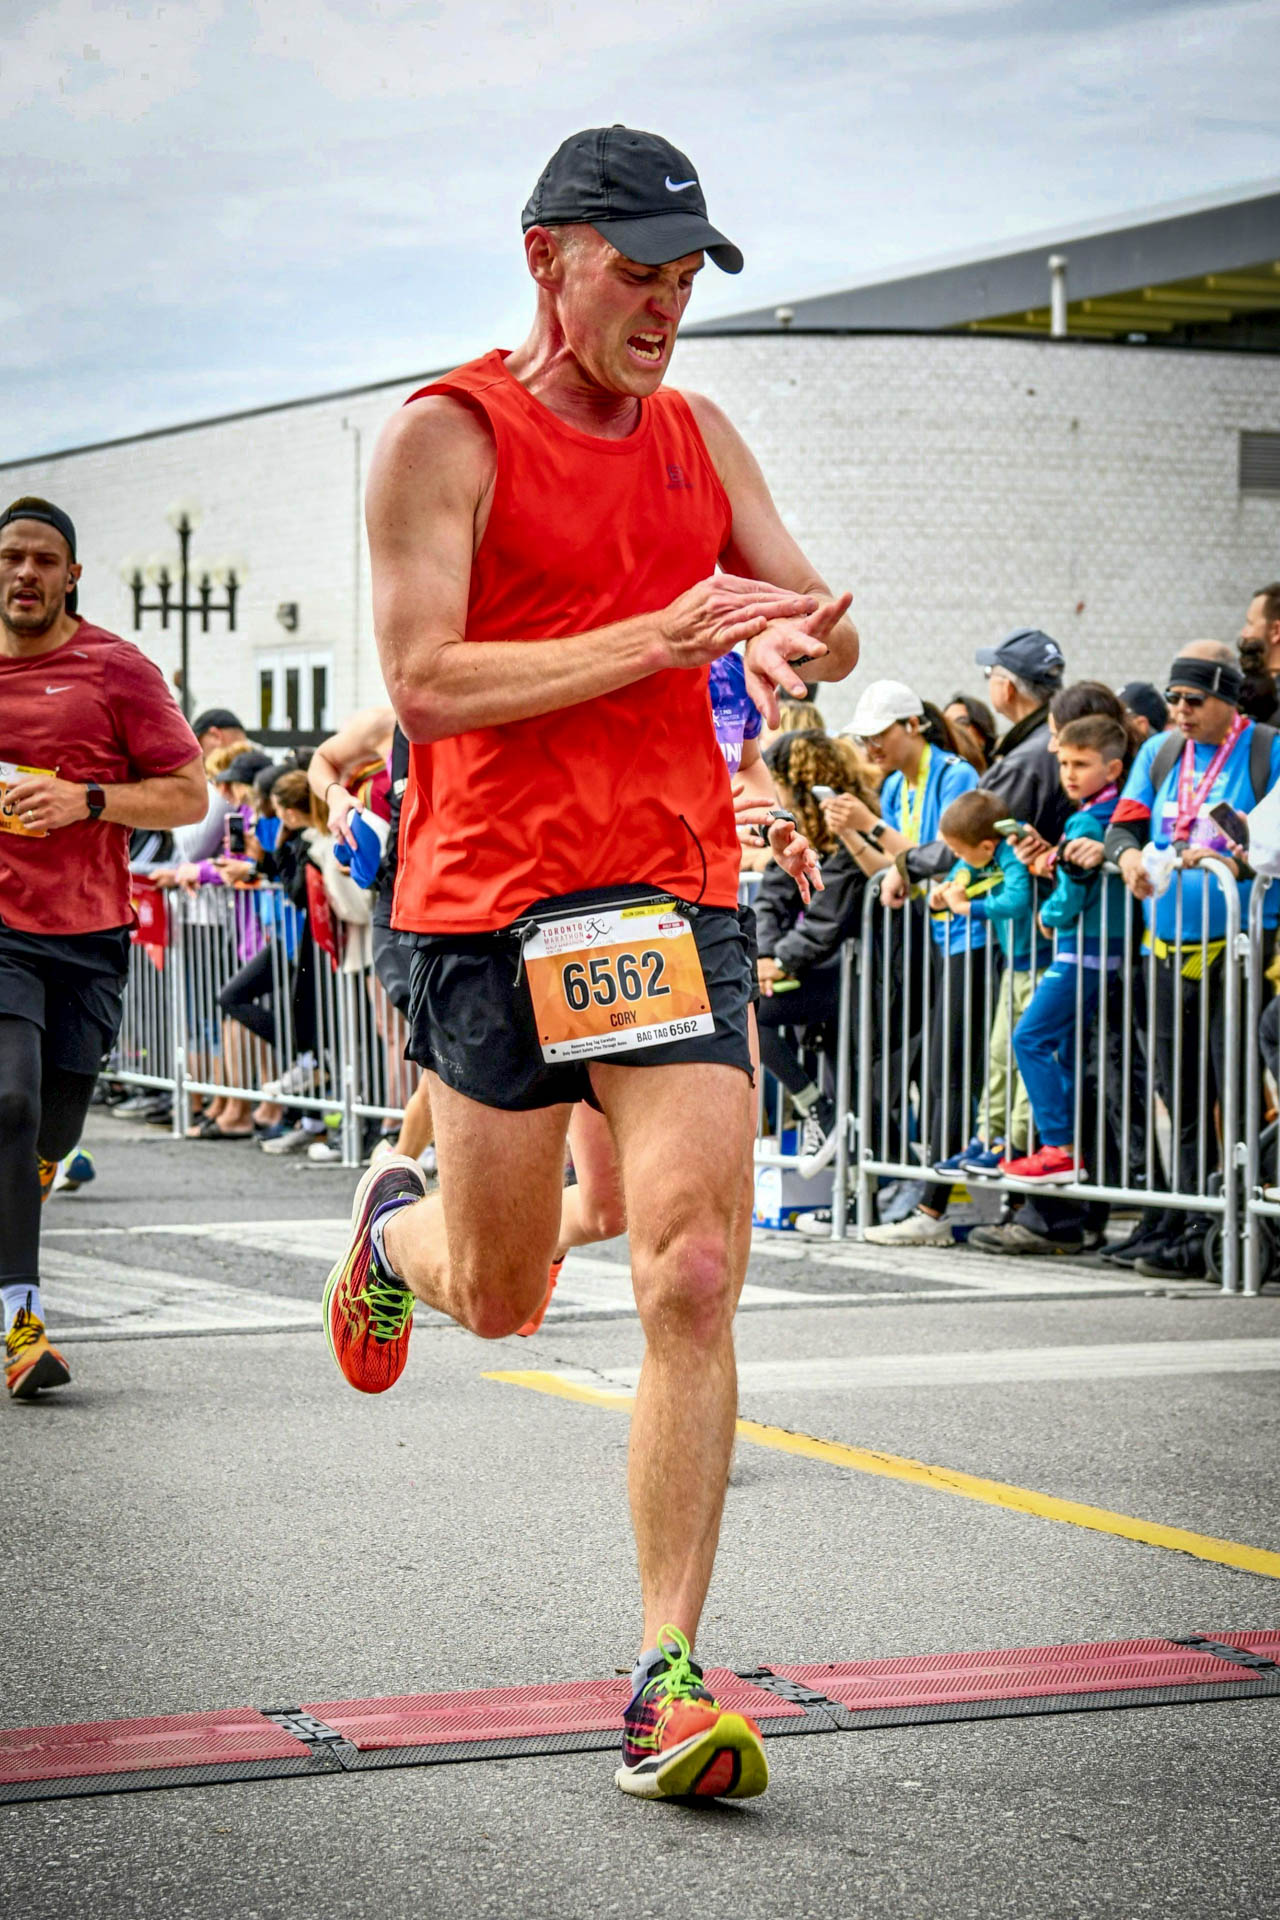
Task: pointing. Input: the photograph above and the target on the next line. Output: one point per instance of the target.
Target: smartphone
(1012, 829)
(1233, 824)
(235, 833)
(824, 793)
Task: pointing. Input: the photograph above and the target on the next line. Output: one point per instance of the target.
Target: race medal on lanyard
(913, 798)
(610, 981)
(1192, 794)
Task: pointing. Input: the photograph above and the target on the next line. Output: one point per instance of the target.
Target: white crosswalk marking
(112, 1300)
(1134, 1360)
(91, 1297)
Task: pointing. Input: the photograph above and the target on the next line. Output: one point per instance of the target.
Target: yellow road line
(993, 1493)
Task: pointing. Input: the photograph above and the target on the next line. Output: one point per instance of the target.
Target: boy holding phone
(1088, 911)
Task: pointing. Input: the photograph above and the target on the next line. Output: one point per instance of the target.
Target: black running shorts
(471, 1019)
(71, 986)
(391, 964)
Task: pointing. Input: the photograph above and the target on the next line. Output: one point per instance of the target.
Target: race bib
(9, 777)
(610, 981)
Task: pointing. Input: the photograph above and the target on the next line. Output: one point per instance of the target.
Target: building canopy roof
(1205, 274)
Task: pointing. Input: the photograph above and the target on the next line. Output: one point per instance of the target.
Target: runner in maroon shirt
(91, 746)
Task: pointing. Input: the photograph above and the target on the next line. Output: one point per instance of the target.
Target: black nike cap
(637, 190)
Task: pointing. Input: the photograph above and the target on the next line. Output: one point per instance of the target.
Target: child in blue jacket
(990, 883)
(1088, 910)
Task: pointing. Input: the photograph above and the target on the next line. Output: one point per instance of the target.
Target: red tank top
(627, 787)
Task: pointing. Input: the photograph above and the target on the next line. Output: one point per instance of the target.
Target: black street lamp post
(175, 598)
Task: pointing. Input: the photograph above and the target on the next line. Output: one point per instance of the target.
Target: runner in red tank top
(546, 530)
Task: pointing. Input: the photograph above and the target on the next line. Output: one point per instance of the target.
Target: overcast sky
(219, 203)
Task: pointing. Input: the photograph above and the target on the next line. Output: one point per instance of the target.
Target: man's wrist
(95, 800)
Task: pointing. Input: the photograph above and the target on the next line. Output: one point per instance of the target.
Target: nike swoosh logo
(678, 186)
(57, 689)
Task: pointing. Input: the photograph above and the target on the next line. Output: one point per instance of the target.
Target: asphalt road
(208, 1517)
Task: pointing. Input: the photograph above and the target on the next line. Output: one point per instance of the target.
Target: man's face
(36, 575)
(1262, 631)
(1200, 716)
(1002, 690)
(619, 318)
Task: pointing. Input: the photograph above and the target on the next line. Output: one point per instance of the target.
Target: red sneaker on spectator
(1049, 1167)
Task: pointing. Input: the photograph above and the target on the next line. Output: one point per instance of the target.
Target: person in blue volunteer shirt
(1167, 802)
(916, 750)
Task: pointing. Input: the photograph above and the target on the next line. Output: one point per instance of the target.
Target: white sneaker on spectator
(326, 1152)
(297, 1140)
(427, 1161)
(917, 1230)
(296, 1079)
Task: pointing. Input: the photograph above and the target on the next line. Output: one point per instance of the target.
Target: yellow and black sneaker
(31, 1365)
(47, 1171)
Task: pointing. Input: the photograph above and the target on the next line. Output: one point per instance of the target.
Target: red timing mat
(235, 1735)
(189, 1749)
(518, 1713)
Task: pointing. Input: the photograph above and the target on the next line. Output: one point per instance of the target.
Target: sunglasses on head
(1175, 695)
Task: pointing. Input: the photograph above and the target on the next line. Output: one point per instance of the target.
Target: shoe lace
(390, 1307)
(812, 1134)
(681, 1678)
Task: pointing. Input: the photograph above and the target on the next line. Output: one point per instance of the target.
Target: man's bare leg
(416, 1127)
(479, 1249)
(683, 1136)
(594, 1209)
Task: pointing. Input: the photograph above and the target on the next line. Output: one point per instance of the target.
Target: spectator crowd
(1048, 969)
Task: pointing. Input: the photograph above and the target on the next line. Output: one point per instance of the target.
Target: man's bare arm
(179, 799)
(427, 503)
(760, 545)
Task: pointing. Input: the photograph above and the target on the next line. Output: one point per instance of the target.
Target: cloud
(217, 203)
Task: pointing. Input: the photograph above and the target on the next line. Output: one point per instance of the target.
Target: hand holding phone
(1012, 829)
(1232, 824)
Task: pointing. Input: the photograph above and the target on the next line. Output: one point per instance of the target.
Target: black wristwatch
(95, 799)
(875, 835)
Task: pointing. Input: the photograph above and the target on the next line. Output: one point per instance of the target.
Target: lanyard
(913, 799)
(1192, 798)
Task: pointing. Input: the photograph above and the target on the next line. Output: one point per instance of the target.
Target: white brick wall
(957, 486)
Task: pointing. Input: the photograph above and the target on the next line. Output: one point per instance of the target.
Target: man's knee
(686, 1284)
(494, 1294)
(19, 1115)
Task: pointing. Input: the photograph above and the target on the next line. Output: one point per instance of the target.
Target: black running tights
(42, 1111)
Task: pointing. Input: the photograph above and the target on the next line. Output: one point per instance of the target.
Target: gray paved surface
(214, 1520)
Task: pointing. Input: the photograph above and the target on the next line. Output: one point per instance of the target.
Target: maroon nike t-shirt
(94, 708)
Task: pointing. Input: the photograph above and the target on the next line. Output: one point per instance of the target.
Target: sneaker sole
(726, 1762)
(357, 1226)
(49, 1371)
(1068, 1178)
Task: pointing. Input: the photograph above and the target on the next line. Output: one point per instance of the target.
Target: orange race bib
(609, 981)
(9, 777)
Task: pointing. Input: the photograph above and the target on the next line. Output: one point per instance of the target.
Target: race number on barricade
(611, 980)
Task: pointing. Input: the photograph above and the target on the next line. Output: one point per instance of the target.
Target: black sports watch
(874, 835)
(95, 799)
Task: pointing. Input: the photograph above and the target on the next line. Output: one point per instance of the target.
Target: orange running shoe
(531, 1326)
(679, 1743)
(47, 1173)
(368, 1314)
(30, 1363)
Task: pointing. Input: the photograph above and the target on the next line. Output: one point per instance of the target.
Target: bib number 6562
(605, 979)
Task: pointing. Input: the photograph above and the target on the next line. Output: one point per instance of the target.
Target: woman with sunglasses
(1169, 801)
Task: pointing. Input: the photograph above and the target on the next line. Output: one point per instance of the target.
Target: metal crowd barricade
(1141, 1064)
(336, 1046)
(1262, 1138)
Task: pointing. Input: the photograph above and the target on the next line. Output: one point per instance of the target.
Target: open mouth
(648, 347)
